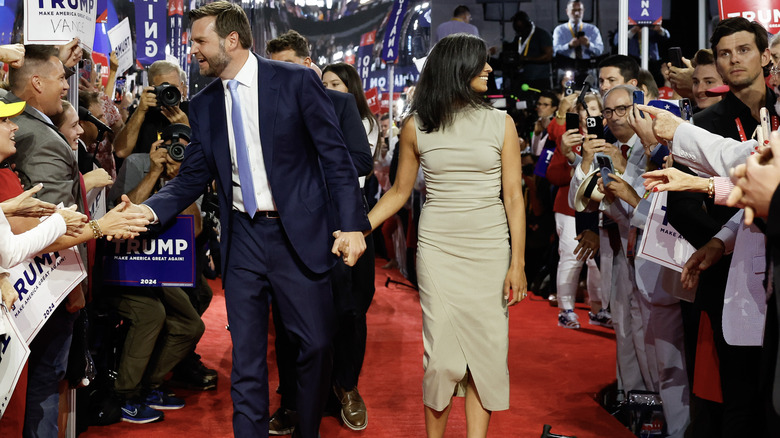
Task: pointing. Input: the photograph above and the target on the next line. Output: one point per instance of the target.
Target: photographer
(159, 106)
(163, 320)
(526, 59)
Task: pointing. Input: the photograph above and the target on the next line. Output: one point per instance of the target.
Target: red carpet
(555, 374)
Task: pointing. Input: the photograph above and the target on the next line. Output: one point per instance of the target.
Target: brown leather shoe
(353, 409)
(282, 422)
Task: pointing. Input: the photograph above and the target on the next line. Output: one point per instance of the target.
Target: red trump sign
(766, 12)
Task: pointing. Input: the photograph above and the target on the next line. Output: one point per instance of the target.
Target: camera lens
(167, 94)
(176, 151)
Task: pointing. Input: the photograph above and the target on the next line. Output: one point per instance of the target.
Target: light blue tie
(242, 154)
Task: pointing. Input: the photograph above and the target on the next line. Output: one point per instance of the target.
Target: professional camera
(171, 135)
(167, 94)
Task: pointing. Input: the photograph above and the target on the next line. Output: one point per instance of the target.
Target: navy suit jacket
(308, 165)
(354, 132)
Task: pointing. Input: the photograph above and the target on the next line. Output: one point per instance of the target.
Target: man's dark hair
(460, 10)
(552, 96)
(703, 57)
(229, 18)
(35, 55)
(289, 40)
(628, 67)
(445, 80)
(733, 25)
(646, 78)
(521, 16)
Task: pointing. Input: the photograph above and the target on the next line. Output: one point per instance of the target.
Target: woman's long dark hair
(349, 76)
(445, 81)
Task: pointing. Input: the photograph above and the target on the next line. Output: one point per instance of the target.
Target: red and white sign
(766, 12)
(372, 96)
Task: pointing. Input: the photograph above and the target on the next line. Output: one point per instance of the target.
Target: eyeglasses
(619, 110)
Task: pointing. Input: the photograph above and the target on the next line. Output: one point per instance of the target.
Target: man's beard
(218, 63)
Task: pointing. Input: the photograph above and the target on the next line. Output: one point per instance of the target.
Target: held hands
(125, 221)
(568, 102)
(706, 256)
(588, 245)
(74, 221)
(27, 206)
(348, 245)
(515, 282)
(756, 181)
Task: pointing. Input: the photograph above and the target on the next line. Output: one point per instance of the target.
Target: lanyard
(741, 130)
(523, 48)
(573, 34)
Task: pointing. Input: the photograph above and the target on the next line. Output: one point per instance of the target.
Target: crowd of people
(295, 187)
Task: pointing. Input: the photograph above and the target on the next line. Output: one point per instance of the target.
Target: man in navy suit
(298, 186)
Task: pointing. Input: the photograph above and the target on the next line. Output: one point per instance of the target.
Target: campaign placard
(42, 282)
(13, 355)
(150, 30)
(164, 260)
(661, 243)
(645, 12)
(59, 21)
(765, 12)
(122, 44)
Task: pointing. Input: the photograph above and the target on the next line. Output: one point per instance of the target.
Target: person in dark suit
(294, 48)
(267, 133)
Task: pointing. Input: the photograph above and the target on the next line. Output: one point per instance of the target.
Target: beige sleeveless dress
(462, 259)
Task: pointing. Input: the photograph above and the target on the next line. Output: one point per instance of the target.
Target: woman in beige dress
(471, 233)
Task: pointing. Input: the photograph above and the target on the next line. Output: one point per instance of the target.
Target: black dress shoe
(282, 422)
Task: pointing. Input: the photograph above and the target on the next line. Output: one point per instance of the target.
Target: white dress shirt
(247, 92)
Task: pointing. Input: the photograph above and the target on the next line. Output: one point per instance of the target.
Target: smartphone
(639, 99)
(765, 130)
(675, 56)
(604, 163)
(572, 121)
(580, 34)
(595, 126)
(686, 111)
(569, 88)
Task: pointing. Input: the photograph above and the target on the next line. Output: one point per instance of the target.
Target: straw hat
(588, 191)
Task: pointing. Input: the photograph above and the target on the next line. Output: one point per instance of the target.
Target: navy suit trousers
(263, 264)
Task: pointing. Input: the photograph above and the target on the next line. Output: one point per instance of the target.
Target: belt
(270, 214)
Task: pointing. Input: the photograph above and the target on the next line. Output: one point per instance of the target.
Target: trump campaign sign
(766, 12)
(645, 12)
(164, 260)
(13, 355)
(59, 21)
(151, 30)
(42, 282)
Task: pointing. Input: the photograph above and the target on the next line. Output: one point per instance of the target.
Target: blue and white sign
(42, 282)
(13, 355)
(661, 243)
(165, 260)
(645, 12)
(151, 25)
(59, 21)
(393, 34)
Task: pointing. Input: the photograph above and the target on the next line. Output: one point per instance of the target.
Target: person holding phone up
(574, 249)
